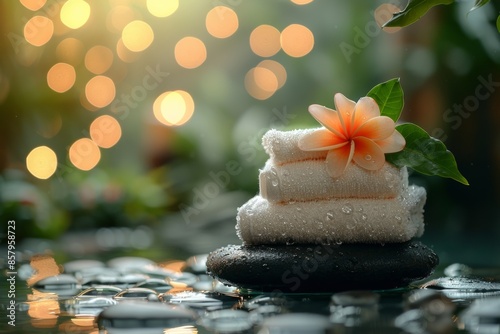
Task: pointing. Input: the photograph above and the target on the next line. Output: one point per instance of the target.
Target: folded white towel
(336, 220)
(309, 180)
(282, 146)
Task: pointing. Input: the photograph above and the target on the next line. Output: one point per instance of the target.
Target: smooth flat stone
(308, 268)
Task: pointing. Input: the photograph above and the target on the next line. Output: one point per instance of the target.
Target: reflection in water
(43, 309)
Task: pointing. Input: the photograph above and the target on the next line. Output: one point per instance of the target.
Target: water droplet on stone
(329, 216)
(364, 216)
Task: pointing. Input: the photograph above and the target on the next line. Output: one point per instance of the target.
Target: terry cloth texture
(282, 146)
(309, 180)
(346, 220)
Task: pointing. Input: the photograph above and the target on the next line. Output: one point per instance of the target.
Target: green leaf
(413, 12)
(479, 4)
(389, 97)
(425, 154)
(498, 23)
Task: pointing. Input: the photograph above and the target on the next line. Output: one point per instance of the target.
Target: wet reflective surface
(136, 295)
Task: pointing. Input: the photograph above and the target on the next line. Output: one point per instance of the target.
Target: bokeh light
(190, 52)
(265, 40)
(137, 36)
(84, 154)
(301, 2)
(61, 77)
(125, 54)
(261, 83)
(105, 131)
(75, 13)
(278, 70)
(173, 108)
(162, 8)
(33, 5)
(221, 22)
(100, 91)
(118, 17)
(297, 40)
(70, 50)
(38, 30)
(41, 162)
(98, 59)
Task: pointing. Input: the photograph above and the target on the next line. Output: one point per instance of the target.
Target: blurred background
(134, 126)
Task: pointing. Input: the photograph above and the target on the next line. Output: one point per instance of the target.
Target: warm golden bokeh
(75, 13)
(41, 162)
(100, 91)
(33, 5)
(278, 70)
(221, 22)
(98, 59)
(137, 36)
(265, 40)
(125, 54)
(38, 30)
(301, 2)
(173, 108)
(84, 154)
(261, 83)
(105, 131)
(190, 52)
(61, 77)
(162, 8)
(297, 40)
(118, 17)
(70, 50)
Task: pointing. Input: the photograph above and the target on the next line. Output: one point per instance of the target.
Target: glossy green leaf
(413, 12)
(389, 97)
(479, 4)
(498, 23)
(425, 154)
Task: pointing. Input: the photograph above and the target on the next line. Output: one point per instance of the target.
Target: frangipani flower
(354, 132)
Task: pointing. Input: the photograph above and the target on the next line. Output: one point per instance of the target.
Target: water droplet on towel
(338, 242)
(347, 209)
(250, 212)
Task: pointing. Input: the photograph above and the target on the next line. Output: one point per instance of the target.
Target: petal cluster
(354, 132)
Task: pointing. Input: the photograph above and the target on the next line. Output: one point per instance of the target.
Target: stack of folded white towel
(300, 203)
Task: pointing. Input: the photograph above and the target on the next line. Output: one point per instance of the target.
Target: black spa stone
(322, 268)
